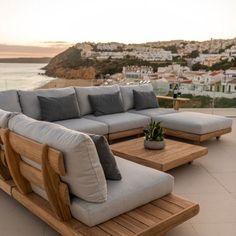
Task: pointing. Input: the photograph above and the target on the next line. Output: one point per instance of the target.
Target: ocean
(24, 76)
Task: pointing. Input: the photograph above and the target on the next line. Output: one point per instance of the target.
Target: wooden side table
(176, 101)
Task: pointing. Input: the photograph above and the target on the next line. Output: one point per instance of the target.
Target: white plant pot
(155, 145)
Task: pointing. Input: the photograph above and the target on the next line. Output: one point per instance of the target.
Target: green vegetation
(171, 48)
(199, 66)
(201, 102)
(193, 54)
(222, 65)
(179, 60)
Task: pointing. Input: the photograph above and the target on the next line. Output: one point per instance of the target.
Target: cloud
(56, 43)
(12, 51)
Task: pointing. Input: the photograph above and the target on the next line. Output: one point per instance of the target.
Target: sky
(45, 27)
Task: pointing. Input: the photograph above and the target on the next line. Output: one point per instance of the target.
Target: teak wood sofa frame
(155, 218)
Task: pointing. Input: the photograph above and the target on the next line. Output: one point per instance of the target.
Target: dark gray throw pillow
(144, 100)
(106, 157)
(105, 104)
(58, 108)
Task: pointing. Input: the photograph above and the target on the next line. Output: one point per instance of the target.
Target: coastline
(61, 83)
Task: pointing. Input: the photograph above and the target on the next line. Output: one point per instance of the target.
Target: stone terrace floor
(210, 181)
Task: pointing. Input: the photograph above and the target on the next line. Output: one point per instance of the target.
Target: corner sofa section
(94, 199)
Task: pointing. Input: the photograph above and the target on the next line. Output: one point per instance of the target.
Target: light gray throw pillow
(5, 116)
(58, 108)
(106, 104)
(145, 100)
(106, 157)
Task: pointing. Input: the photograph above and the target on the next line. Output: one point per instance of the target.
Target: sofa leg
(218, 137)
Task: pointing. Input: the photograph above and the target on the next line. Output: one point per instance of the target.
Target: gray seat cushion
(139, 185)
(195, 123)
(9, 101)
(121, 121)
(85, 125)
(30, 103)
(127, 94)
(84, 173)
(154, 113)
(83, 92)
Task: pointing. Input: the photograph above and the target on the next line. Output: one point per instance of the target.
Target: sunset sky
(45, 27)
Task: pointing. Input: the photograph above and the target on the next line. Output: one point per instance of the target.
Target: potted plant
(154, 136)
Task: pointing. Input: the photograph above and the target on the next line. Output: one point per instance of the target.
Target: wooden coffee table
(174, 154)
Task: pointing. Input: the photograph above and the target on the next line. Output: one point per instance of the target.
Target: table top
(174, 154)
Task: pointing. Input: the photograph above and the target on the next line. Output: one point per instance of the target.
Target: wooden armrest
(173, 99)
(176, 101)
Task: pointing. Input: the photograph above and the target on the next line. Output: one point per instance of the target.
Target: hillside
(94, 60)
(71, 65)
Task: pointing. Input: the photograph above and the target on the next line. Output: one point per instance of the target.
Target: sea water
(24, 76)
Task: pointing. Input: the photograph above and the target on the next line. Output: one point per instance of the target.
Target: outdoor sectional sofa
(193, 126)
(53, 169)
(55, 172)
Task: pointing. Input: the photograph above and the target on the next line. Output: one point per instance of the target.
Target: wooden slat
(85, 230)
(32, 174)
(7, 185)
(143, 217)
(179, 201)
(130, 223)
(33, 151)
(216, 134)
(155, 211)
(167, 206)
(4, 171)
(148, 225)
(56, 193)
(115, 229)
(125, 133)
(42, 209)
(196, 137)
(13, 160)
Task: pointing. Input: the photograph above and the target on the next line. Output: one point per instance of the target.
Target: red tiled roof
(232, 81)
(215, 73)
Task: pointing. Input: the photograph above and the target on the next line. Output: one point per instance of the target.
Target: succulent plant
(154, 131)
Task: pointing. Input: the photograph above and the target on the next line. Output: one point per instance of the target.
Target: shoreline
(61, 83)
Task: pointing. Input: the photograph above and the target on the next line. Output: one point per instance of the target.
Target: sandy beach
(61, 83)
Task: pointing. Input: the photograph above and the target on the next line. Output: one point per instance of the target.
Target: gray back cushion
(61, 108)
(30, 103)
(105, 104)
(9, 101)
(84, 173)
(127, 94)
(144, 100)
(83, 92)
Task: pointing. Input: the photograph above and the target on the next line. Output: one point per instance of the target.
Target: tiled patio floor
(210, 181)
